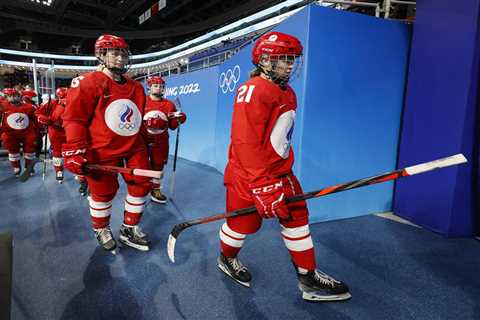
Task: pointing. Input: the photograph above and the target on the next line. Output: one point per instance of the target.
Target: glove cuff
(73, 149)
(265, 187)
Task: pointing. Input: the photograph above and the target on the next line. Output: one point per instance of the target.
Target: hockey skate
(233, 268)
(16, 171)
(157, 196)
(59, 177)
(83, 190)
(318, 286)
(133, 236)
(105, 239)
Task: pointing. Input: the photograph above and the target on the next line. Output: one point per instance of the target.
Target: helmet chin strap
(158, 95)
(114, 70)
(282, 82)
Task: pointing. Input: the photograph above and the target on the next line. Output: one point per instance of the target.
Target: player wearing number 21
(259, 169)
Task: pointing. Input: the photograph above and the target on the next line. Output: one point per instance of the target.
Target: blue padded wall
(356, 71)
(198, 96)
(439, 117)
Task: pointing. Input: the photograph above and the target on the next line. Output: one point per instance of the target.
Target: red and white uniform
(157, 139)
(260, 149)
(19, 129)
(53, 111)
(107, 116)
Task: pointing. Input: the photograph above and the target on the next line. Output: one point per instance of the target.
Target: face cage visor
(281, 68)
(115, 59)
(14, 98)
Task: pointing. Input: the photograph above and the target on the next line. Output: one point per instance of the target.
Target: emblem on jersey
(281, 136)
(155, 114)
(123, 117)
(18, 121)
(229, 79)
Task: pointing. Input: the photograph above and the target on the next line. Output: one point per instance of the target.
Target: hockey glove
(156, 123)
(74, 157)
(269, 199)
(175, 119)
(43, 119)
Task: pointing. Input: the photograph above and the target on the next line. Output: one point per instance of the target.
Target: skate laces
(324, 278)
(104, 234)
(237, 265)
(137, 231)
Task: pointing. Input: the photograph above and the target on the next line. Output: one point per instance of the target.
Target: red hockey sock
(133, 210)
(230, 241)
(100, 212)
(300, 246)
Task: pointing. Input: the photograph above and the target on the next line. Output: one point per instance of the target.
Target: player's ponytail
(255, 72)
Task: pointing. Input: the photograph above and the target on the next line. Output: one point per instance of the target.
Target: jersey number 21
(245, 93)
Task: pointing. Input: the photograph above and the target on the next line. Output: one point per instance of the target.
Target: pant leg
(295, 231)
(235, 230)
(138, 188)
(103, 187)
(12, 144)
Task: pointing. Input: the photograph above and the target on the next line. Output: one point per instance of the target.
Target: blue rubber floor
(395, 271)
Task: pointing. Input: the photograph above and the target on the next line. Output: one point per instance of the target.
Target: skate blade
(127, 243)
(315, 296)
(225, 270)
(158, 201)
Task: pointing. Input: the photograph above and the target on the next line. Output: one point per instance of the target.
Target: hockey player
(102, 122)
(28, 94)
(160, 115)
(259, 169)
(19, 129)
(50, 114)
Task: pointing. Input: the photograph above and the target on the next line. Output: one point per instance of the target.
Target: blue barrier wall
(356, 71)
(439, 117)
(349, 96)
(198, 96)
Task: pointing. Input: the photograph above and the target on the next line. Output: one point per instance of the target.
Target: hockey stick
(393, 175)
(175, 154)
(46, 140)
(132, 171)
(28, 170)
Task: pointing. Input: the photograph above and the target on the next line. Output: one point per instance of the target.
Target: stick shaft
(389, 176)
(135, 172)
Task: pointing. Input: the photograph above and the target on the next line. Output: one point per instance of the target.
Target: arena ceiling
(57, 25)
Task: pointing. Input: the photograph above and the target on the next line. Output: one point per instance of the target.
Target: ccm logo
(73, 152)
(266, 189)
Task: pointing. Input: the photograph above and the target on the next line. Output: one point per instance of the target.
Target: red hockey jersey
(18, 119)
(262, 127)
(54, 110)
(153, 109)
(104, 114)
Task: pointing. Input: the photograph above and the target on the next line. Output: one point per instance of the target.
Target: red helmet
(276, 43)
(9, 91)
(108, 41)
(154, 79)
(29, 93)
(61, 92)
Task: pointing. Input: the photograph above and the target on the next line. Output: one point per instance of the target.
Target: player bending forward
(259, 169)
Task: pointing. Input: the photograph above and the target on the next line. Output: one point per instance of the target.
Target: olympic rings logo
(229, 79)
(126, 125)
